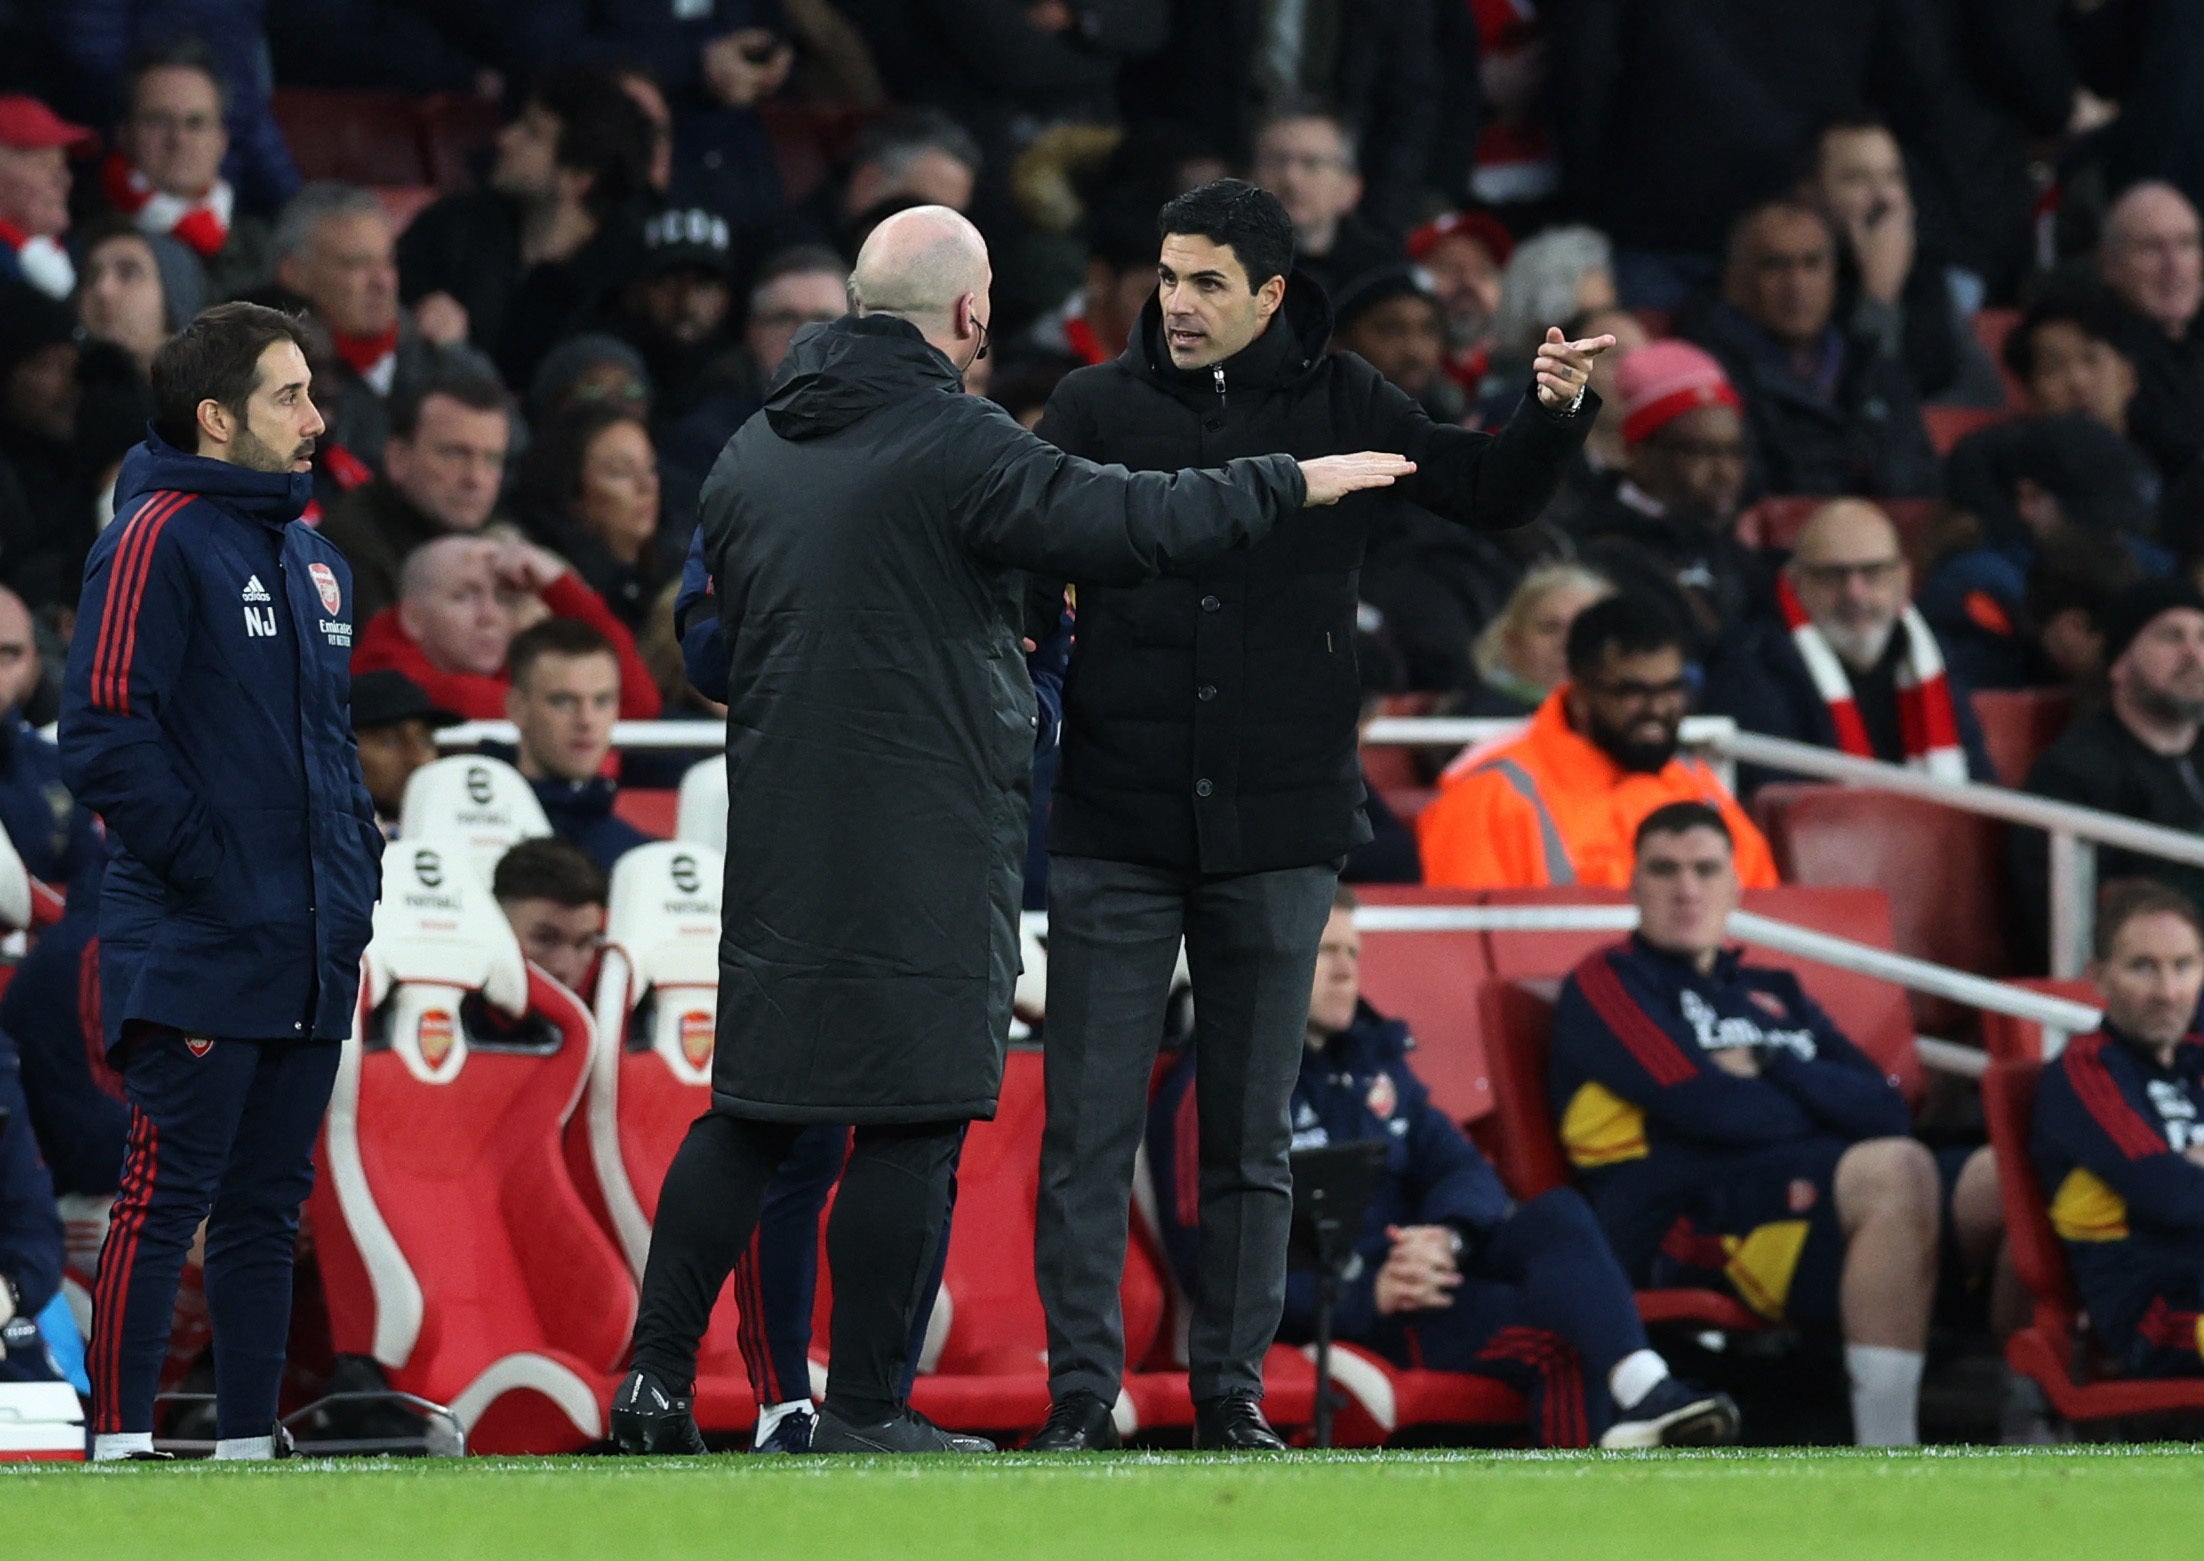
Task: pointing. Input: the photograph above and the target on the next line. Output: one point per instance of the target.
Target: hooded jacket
(1209, 717)
(206, 716)
(865, 536)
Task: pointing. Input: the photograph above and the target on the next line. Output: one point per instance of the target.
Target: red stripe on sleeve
(125, 593)
(2099, 1093)
(1654, 1048)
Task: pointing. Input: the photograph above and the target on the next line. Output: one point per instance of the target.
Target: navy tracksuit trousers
(221, 1131)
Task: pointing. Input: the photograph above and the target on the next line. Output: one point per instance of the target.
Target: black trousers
(1251, 941)
(882, 1241)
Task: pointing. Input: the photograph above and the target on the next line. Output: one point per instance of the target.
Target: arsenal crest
(1383, 1098)
(435, 1037)
(696, 1038)
(1769, 1004)
(325, 581)
(198, 1045)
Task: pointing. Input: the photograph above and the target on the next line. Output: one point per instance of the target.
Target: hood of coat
(1290, 349)
(156, 466)
(846, 369)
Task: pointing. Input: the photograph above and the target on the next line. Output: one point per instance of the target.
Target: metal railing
(2059, 1016)
(2074, 833)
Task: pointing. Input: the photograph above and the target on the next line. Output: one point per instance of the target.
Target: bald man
(1846, 662)
(867, 534)
(2152, 258)
(456, 615)
(55, 837)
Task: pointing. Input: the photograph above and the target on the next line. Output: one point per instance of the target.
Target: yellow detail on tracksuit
(2085, 1208)
(1601, 1128)
(1762, 1263)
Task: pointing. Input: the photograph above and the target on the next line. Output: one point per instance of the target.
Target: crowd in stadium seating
(1907, 405)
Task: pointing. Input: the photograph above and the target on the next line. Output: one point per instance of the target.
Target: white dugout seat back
(700, 813)
(481, 805)
(439, 937)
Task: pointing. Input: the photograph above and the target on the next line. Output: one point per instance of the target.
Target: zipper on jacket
(1222, 403)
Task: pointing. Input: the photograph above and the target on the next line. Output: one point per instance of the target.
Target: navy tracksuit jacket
(1543, 1305)
(206, 717)
(55, 836)
(1656, 1130)
(2109, 1144)
(51, 1011)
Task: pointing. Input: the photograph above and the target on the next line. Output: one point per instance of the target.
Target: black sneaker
(791, 1435)
(646, 1418)
(1675, 1414)
(148, 1455)
(907, 1431)
(1234, 1423)
(1077, 1423)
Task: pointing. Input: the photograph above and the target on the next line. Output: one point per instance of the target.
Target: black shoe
(646, 1418)
(1675, 1414)
(1077, 1423)
(148, 1455)
(1234, 1423)
(907, 1431)
(792, 1435)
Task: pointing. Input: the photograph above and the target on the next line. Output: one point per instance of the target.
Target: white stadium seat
(480, 804)
(702, 815)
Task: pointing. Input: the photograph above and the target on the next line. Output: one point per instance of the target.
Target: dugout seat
(655, 810)
(2055, 1349)
(701, 813)
(454, 1247)
(1519, 1020)
(482, 806)
(1943, 870)
(2010, 1039)
(1430, 980)
(2018, 724)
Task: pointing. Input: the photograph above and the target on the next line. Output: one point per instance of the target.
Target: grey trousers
(1251, 943)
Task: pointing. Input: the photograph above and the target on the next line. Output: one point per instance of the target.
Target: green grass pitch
(2134, 1503)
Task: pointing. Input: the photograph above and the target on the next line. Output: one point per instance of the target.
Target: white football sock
(770, 1417)
(1635, 1375)
(1886, 1395)
(110, 1445)
(244, 1447)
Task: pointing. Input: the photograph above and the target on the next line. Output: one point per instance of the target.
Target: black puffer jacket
(1209, 716)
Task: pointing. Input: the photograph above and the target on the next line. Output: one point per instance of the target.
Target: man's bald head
(2152, 255)
(928, 265)
(448, 602)
(19, 668)
(1852, 578)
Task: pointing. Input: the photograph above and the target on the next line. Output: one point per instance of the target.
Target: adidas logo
(255, 591)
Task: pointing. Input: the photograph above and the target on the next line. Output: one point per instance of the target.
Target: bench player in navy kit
(205, 718)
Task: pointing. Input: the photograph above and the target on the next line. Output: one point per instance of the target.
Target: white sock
(245, 1447)
(772, 1415)
(110, 1445)
(1886, 1395)
(1635, 1375)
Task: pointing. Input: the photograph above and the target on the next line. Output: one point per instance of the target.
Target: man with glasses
(1306, 158)
(165, 173)
(1850, 664)
(1560, 804)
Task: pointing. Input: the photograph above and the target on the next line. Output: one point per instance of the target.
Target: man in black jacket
(866, 534)
(1209, 787)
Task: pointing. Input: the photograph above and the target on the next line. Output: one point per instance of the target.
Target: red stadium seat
(2055, 1348)
(2018, 724)
(1430, 980)
(1991, 327)
(652, 810)
(1519, 1025)
(356, 137)
(1943, 870)
(2021, 1040)
(403, 202)
(456, 129)
(1948, 425)
(454, 1247)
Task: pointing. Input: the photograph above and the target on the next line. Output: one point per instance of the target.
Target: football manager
(867, 531)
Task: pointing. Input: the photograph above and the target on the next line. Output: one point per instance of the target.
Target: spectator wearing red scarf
(165, 172)
(34, 194)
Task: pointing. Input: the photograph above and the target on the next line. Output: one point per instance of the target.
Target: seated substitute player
(1729, 1136)
(1450, 1271)
(2119, 1136)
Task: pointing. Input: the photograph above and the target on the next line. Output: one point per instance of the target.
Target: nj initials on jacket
(260, 618)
